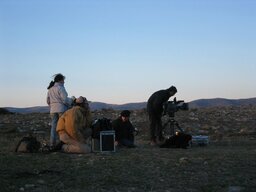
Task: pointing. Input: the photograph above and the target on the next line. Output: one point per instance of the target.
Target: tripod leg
(172, 127)
(177, 125)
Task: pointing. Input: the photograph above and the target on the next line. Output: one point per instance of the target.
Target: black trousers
(155, 126)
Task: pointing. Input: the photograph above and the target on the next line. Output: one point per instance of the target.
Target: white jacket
(57, 98)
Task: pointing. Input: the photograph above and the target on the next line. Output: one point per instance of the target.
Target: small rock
(29, 185)
(184, 160)
(40, 181)
(235, 189)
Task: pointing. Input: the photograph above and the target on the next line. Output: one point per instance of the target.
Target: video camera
(171, 107)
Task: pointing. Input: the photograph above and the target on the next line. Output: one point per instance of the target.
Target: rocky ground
(226, 164)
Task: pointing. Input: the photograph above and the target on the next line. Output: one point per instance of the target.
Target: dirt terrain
(227, 164)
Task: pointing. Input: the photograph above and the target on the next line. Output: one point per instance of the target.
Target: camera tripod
(172, 125)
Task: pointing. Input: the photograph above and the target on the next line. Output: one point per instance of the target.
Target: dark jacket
(156, 102)
(123, 130)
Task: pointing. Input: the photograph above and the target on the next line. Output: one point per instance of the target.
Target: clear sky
(121, 51)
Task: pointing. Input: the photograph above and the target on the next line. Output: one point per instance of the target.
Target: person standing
(59, 102)
(155, 106)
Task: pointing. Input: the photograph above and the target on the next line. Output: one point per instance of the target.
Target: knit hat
(125, 113)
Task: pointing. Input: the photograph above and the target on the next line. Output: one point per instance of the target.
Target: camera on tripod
(175, 138)
(171, 107)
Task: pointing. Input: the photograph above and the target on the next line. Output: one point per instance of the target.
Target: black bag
(28, 145)
(181, 140)
(99, 125)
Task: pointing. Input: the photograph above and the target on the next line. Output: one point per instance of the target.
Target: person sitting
(124, 130)
(74, 128)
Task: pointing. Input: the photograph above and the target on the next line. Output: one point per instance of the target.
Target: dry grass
(223, 166)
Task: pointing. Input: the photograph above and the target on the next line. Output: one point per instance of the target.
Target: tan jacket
(76, 122)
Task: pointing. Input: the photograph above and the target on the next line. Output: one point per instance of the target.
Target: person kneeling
(124, 130)
(74, 128)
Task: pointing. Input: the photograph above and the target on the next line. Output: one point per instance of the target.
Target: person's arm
(61, 124)
(64, 97)
(161, 98)
(132, 128)
(116, 127)
(48, 99)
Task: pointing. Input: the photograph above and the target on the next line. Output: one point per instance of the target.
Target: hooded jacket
(76, 122)
(156, 101)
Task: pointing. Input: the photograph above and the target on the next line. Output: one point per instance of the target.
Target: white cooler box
(200, 140)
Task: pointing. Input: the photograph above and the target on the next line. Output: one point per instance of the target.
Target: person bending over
(155, 106)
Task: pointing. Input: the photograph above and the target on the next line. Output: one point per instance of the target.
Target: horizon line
(133, 102)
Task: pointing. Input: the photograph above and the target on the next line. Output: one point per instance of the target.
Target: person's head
(125, 115)
(82, 102)
(172, 90)
(57, 78)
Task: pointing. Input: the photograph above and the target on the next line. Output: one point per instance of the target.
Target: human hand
(136, 131)
(73, 98)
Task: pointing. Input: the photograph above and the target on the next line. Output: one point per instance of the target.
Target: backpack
(28, 145)
(99, 125)
(181, 140)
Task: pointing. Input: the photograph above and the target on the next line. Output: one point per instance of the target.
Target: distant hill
(201, 103)
(218, 102)
(129, 106)
(93, 106)
(37, 109)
